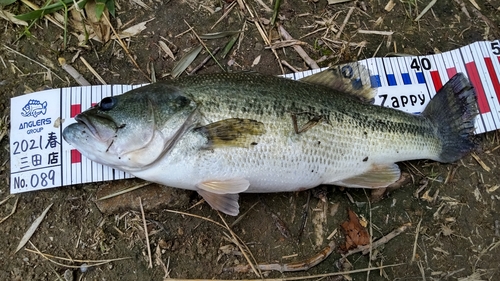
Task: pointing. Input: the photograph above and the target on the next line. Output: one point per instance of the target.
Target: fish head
(133, 130)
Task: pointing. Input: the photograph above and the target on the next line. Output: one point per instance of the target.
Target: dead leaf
(11, 17)
(355, 234)
(166, 49)
(101, 29)
(32, 229)
(256, 61)
(133, 30)
(185, 61)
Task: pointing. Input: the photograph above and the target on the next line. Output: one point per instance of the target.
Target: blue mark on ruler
(406, 78)
(391, 80)
(375, 81)
(420, 78)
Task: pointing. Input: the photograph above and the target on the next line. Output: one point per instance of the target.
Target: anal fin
(223, 195)
(226, 203)
(377, 177)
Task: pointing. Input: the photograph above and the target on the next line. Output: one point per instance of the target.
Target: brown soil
(458, 229)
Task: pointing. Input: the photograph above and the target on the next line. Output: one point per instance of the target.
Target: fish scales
(330, 151)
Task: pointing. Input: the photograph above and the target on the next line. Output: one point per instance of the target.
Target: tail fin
(453, 110)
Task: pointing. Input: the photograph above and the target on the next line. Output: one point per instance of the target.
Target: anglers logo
(34, 108)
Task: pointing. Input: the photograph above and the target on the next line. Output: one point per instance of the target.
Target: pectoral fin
(235, 132)
(226, 203)
(352, 78)
(379, 176)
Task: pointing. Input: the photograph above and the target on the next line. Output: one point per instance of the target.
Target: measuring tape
(40, 158)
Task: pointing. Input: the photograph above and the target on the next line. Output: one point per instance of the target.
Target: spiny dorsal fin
(351, 78)
(235, 132)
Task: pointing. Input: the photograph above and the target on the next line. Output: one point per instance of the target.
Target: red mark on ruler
(484, 107)
(75, 109)
(451, 72)
(76, 156)
(436, 80)
(493, 75)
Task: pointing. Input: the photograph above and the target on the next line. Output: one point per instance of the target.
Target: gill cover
(132, 130)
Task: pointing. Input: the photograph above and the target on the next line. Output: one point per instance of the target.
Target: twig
(199, 66)
(146, 233)
(241, 249)
(347, 17)
(32, 60)
(123, 191)
(261, 32)
(312, 64)
(425, 10)
(290, 267)
(342, 42)
(228, 10)
(124, 47)
(480, 162)
(12, 211)
(286, 43)
(371, 236)
(48, 257)
(266, 8)
(204, 45)
(91, 69)
(417, 231)
(73, 73)
(285, 63)
(195, 216)
(488, 22)
(383, 240)
(49, 17)
(385, 33)
(304, 277)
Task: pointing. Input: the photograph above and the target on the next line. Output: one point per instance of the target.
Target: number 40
(424, 62)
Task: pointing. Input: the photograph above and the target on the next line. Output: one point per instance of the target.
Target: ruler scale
(41, 159)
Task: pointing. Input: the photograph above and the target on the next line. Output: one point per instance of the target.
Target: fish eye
(107, 103)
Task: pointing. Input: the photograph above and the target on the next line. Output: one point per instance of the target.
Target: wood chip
(389, 6)
(483, 165)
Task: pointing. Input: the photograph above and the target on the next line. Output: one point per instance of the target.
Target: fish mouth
(99, 131)
(80, 118)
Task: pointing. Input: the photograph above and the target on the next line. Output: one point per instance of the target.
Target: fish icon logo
(34, 108)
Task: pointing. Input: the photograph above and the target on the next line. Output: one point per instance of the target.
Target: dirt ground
(453, 222)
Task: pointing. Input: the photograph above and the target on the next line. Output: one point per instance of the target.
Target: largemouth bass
(224, 134)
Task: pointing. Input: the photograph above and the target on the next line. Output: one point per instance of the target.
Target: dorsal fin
(351, 78)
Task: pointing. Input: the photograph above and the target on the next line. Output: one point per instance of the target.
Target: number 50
(495, 47)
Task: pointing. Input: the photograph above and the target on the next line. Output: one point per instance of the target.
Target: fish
(34, 108)
(230, 133)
